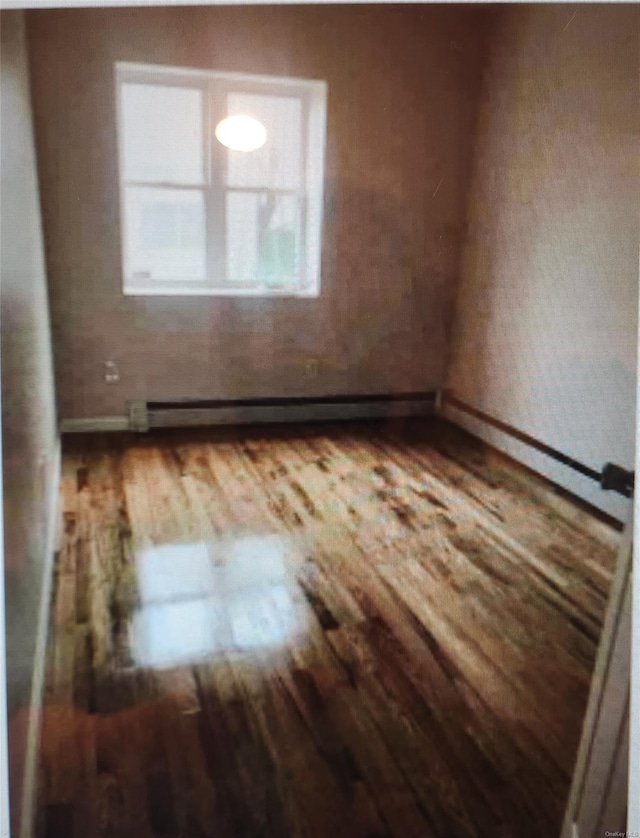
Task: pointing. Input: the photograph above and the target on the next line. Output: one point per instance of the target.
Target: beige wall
(29, 436)
(402, 95)
(546, 332)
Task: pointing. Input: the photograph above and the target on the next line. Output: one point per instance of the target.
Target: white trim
(633, 797)
(28, 802)
(94, 425)
(198, 72)
(94, 4)
(184, 416)
(5, 826)
(169, 290)
(606, 713)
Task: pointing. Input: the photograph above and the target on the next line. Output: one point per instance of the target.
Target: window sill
(176, 291)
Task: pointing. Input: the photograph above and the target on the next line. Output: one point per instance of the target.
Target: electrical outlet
(111, 372)
(311, 367)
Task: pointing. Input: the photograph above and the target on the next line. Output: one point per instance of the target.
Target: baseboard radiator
(143, 415)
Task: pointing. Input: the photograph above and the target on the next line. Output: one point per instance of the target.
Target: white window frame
(215, 85)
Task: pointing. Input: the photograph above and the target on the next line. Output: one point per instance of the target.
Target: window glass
(242, 237)
(278, 163)
(263, 238)
(165, 234)
(162, 133)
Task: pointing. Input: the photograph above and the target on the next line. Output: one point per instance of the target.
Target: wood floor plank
(365, 630)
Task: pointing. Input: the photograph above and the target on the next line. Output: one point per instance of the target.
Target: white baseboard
(29, 794)
(94, 425)
(248, 414)
(577, 484)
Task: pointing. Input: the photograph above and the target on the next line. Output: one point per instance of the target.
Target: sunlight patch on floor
(201, 599)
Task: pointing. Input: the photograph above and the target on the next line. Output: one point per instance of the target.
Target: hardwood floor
(349, 630)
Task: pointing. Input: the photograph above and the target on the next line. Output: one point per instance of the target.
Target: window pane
(165, 234)
(278, 164)
(162, 133)
(263, 239)
(242, 237)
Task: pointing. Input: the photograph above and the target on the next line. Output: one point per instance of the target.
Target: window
(199, 216)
